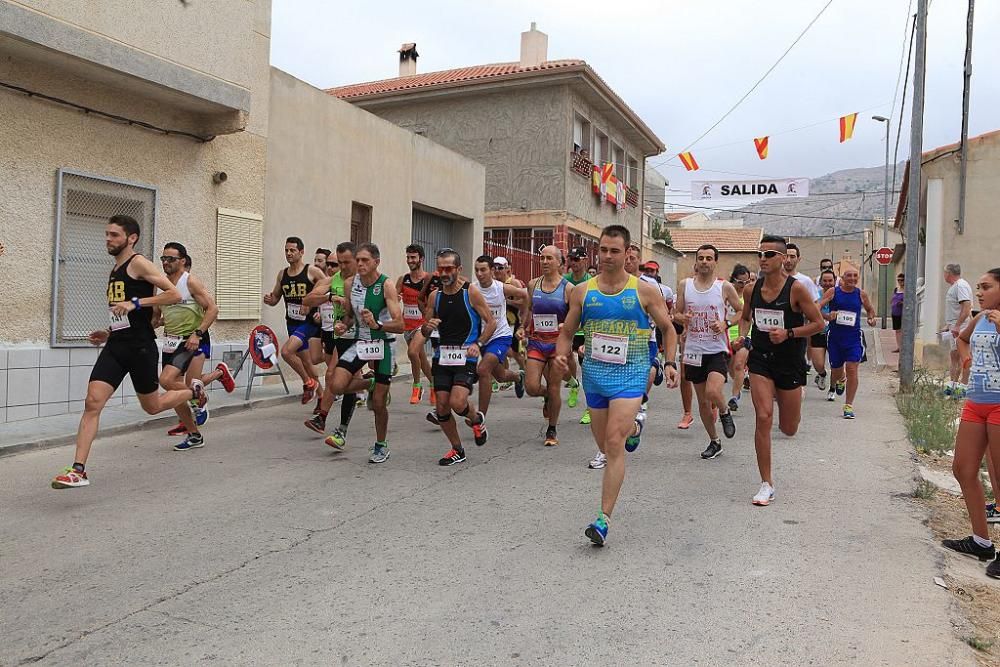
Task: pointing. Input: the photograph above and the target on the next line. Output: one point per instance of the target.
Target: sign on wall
(762, 188)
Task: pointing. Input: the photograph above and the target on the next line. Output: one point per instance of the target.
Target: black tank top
(123, 287)
(459, 324)
(294, 288)
(783, 303)
(416, 285)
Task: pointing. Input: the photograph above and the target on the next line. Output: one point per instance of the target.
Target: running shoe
(70, 478)
(746, 382)
(193, 441)
(505, 386)
(479, 429)
(337, 440)
(728, 425)
(765, 496)
(848, 411)
(597, 532)
(495, 386)
(686, 421)
(632, 442)
(598, 461)
(550, 437)
(309, 391)
(959, 391)
(734, 405)
(519, 385)
(432, 417)
(585, 419)
(992, 515)
(840, 387)
(574, 395)
(362, 399)
(968, 547)
(316, 423)
(198, 393)
(416, 394)
(714, 450)
(201, 416)
(226, 379)
(658, 378)
(993, 569)
(820, 382)
(380, 453)
(831, 395)
(180, 429)
(948, 389)
(452, 457)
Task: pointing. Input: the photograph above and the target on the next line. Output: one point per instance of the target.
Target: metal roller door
(433, 232)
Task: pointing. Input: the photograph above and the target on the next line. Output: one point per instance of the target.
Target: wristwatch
(671, 364)
(135, 302)
(378, 325)
(791, 333)
(199, 333)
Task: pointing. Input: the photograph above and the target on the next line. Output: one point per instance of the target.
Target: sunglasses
(168, 258)
(899, 280)
(741, 282)
(768, 254)
(333, 265)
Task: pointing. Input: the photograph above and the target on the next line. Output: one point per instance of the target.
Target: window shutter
(238, 258)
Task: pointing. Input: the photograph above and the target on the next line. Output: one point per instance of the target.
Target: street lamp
(884, 269)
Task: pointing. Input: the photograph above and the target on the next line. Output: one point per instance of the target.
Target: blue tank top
(549, 303)
(984, 376)
(848, 302)
(605, 320)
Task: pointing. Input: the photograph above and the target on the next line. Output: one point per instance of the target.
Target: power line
(777, 215)
(902, 105)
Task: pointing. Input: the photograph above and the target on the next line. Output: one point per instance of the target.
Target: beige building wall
(324, 154)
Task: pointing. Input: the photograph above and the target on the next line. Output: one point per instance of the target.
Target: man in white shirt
(792, 258)
(957, 311)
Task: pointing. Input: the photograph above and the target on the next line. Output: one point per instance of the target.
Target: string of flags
(761, 143)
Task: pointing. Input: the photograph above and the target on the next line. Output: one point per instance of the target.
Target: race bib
(327, 320)
(295, 311)
(412, 313)
(692, 359)
(767, 319)
(546, 324)
(172, 343)
(370, 350)
(847, 318)
(119, 322)
(498, 313)
(609, 349)
(451, 355)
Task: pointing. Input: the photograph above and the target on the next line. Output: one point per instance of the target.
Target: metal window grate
(82, 264)
(238, 259)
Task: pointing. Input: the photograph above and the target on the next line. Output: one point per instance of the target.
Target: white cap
(500, 260)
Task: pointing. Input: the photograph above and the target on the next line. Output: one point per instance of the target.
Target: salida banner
(762, 188)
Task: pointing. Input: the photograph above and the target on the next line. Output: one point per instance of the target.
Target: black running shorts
(788, 371)
(446, 377)
(138, 359)
(818, 340)
(717, 363)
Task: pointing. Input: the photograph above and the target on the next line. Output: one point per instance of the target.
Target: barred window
(81, 262)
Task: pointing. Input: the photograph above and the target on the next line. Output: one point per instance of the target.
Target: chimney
(534, 47)
(408, 59)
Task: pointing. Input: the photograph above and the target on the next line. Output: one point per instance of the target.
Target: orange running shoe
(416, 394)
(686, 421)
(309, 390)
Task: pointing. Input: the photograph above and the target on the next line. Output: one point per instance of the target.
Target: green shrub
(929, 415)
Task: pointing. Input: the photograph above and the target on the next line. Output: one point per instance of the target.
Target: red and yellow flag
(847, 126)
(687, 159)
(760, 143)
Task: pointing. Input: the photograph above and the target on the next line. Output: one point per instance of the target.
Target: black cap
(577, 253)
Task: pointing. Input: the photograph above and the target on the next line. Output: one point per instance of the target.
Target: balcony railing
(584, 166)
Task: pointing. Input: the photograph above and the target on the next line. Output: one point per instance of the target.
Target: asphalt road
(267, 547)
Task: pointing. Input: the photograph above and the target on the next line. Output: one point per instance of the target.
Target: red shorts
(981, 413)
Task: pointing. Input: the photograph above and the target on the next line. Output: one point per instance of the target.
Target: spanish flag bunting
(689, 162)
(760, 143)
(847, 126)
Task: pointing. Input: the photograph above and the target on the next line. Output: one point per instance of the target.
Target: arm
(395, 325)
(652, 300)
(802, 298)
(319, 294)
(347, 321)
(488, 324)
(145, 270)
(869, 309)
(274, 296)
(315, 274)
(203, 298)
(680, 314)
(518, 294)
(963, 315)
(962, 340)
(745, 314)
(564, 344)
(733, 301)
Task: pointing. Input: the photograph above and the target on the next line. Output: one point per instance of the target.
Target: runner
(548, 297)
(321, 258)
(409, 287)
(825, 264)
(433, 283)
(293, 283)
(783, 313)
(792, 260)
(739, 279)
(332, 265)
(501, 272)
(649, 275)
(459, 312)
(687, 389)
(494, 353)
(187, 344)
(979, 429)
(129, 343)
(615, 310)
(818, 343)
(577, 274)
(372, 312)
(701, 306)
(330, 296)
(846, 341)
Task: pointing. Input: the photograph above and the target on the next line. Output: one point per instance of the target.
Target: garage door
(433, 232)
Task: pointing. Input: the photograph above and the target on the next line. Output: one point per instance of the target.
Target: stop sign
(883, 255)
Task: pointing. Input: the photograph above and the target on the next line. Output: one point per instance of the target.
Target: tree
(660, 232)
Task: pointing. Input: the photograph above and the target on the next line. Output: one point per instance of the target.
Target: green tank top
(182, 319)
(369, 298)
(572, 280)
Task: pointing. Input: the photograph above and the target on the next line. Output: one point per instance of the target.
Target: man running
(577, 274)
(459, 313)
(494, 353)
(739, 278)
(129, 343)
(792, 260)
(783, 314)
(187, 344)
(615, 310)
(409, 286)
(501, 272)
(292, 284)
(846, 341)
(817, 342)
(548, 302)
(701, 307)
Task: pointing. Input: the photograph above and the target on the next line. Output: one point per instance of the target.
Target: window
(581, 135)
(618, 157)
(633, 173)
(601, 153)
(81, 266)
(361, 223)
(521, 239)
(239, 243)
(500, 237)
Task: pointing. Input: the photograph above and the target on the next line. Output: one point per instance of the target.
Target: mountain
(841, 203)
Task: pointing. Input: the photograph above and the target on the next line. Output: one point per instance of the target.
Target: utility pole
(884, 276)
(912, 239)
(965, 118)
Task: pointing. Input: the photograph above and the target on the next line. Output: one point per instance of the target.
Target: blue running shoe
(519, 385)
(597, 532)
(193, 441)
(658, 378)
(201, 416)
(632, 442)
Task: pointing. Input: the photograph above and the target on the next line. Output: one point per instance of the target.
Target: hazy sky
(682, 63)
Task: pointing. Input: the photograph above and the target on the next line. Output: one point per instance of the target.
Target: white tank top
(497, 303)
(703, 308)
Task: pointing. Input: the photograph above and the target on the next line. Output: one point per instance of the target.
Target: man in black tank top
(129, 343)
(783, 315)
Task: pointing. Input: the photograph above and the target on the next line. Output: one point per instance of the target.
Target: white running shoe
(765, 496)
(598, 462)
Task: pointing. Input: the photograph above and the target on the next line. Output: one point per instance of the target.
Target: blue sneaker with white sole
(597, 532)
(632, 442)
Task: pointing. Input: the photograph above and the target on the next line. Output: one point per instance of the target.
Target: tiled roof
(461, 75)
(677, 217)
(726, 240)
